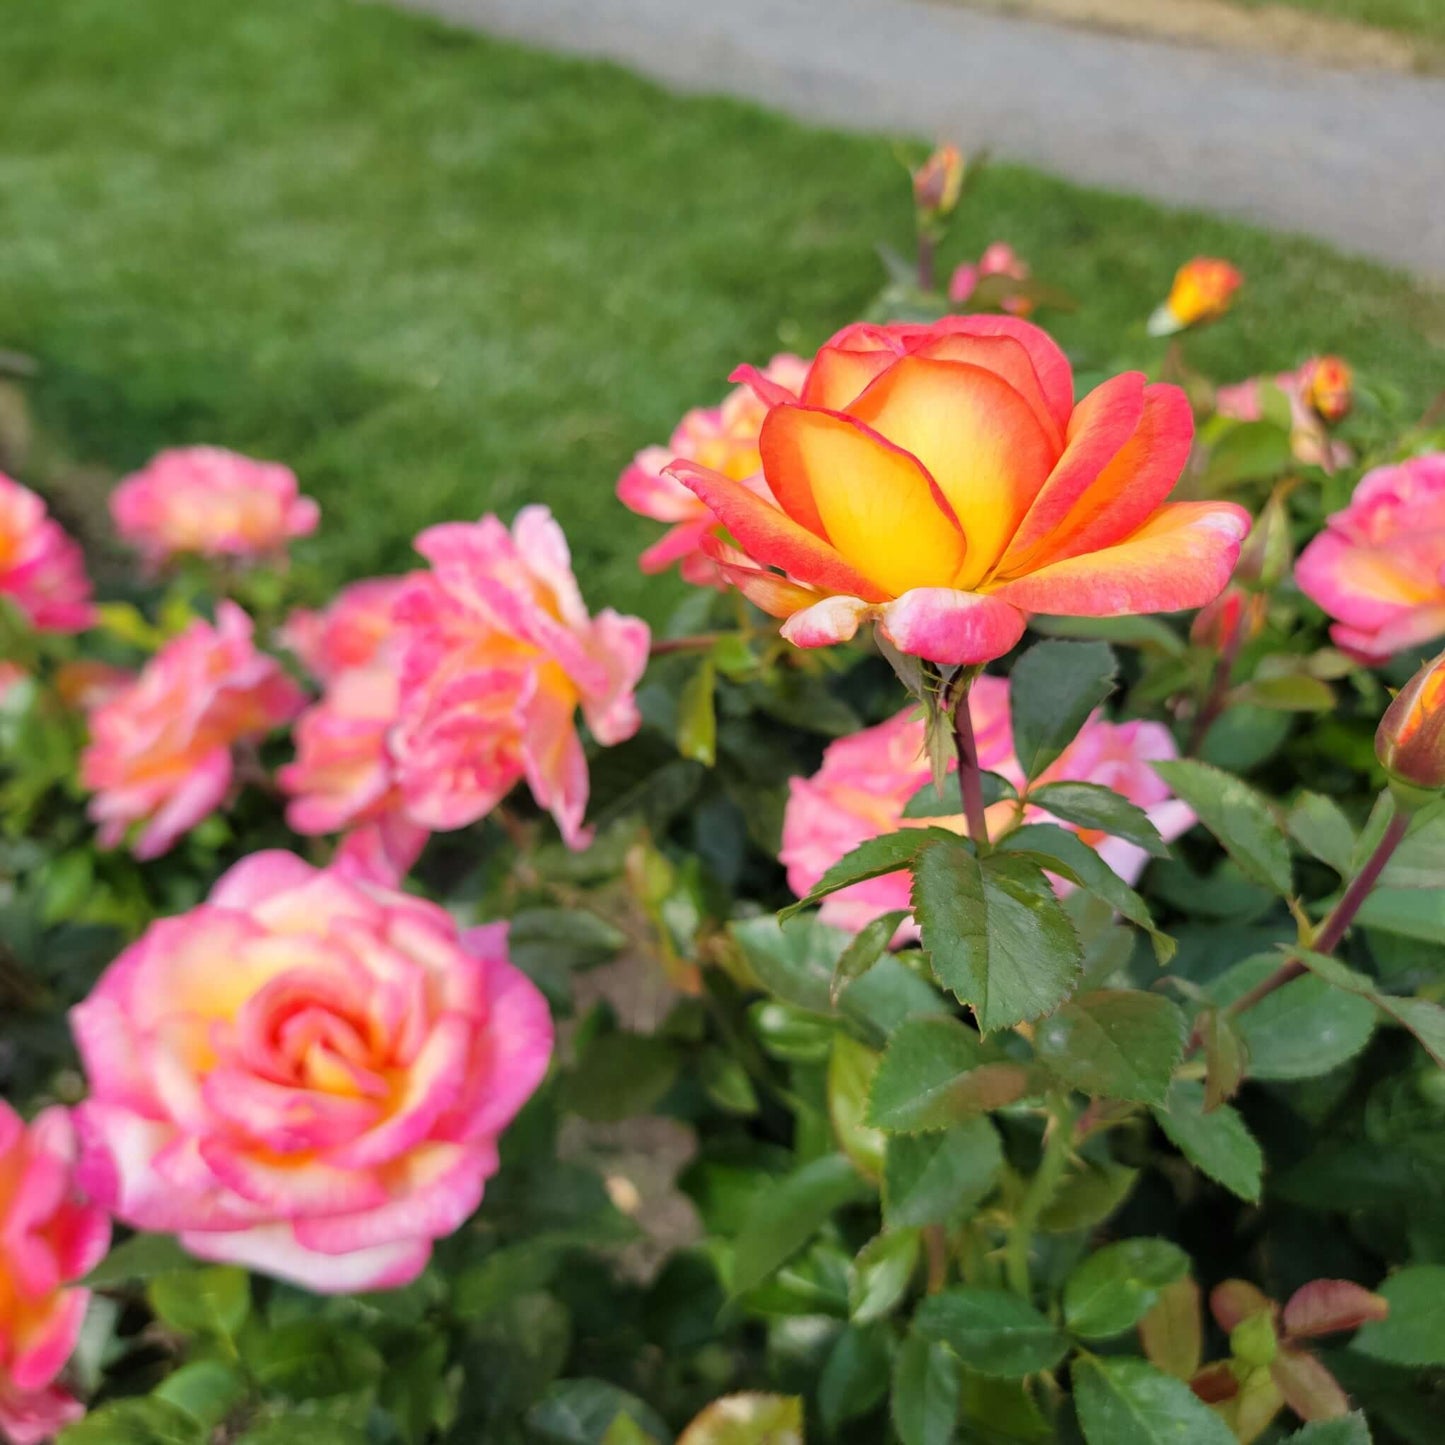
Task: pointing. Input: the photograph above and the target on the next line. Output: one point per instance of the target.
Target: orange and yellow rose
(941, 481)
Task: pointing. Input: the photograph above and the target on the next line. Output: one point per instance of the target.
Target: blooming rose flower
(724, 438)
(356, 628)
(866, 781)
(42, 571)
(1378, 568)
(1319, 392)
(499, 652)
(999, 259)
(306, 1075)
(49, 1237)
(211, 502)
(160, 749)
(1203, 291)
(941, 480)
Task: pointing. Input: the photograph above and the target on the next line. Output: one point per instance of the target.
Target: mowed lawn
(1413, 17)
(440, 275)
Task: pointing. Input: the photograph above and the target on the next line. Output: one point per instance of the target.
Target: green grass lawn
(440, 275)
(1412, 17)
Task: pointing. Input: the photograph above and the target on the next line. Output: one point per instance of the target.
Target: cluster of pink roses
(867, 780)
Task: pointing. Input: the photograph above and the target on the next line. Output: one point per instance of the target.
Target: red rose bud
(1411, 738)
(1234, 619)
(938, 183)
(1329, 387)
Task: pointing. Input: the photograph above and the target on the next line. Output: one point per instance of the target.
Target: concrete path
(1354, 157)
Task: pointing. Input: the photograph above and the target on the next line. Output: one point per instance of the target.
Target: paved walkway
(1354, 157)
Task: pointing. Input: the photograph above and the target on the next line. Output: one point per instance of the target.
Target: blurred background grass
(1411, 17)
(439, 275)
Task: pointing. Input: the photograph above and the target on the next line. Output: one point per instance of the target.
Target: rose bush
(1017, 1021)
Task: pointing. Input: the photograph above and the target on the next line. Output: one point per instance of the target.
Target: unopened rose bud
(1268, 552)
(1329, 387)
(938, 183)
(1234, 619)
(1410, 742)
(1203, 291)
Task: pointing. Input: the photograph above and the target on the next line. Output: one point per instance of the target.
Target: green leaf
(928, 802)
(936, 1072)
(1411, 912)
(1059, 851)
(624, 1430)
(887, 853)
(1115, 1044)
(869, 945)
(1419, 861)
(1319, 826)
(1294, 693)
(995, 933)
(137, 1422)
(697, 715)
(1226, 1057)
(851, 1070)
(1422, 1018)
(924, 1401)
(855, 1375)
(998, 1333)
(207, 1389)
(1053, 689)
(784, 1218)
(620, 1075)
(1238, 816)
(1150, 634)
(1172, 1333)
(1299, 1031)
(306, 1429)
(1090, 1193)
(141, 1257)
(725, 1081)
(1414, 1332)
(311, 1359)
(932, 1178)
(748, 1419)
(1128, 1402)
(1351, 1429)
(580, 1412)
(1217, 1143)
(1247, 451)
(879, 1275)
(1090, 805)
(1114, 1288)
(212, 1301)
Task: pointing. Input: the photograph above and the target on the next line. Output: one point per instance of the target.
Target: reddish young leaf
(1215, 1382)
(1325, 1306)
(1236, 1300)
(1172, 1332)
(1308, 1388)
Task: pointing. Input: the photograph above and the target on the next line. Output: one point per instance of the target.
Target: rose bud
(938, 183)
(1268, 552)
(1410, 742)
(1328, 384)
(1203, 291)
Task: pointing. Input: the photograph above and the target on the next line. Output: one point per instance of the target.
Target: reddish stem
(697, 643)
(1214, 699)
(970, 776)
(927, 249)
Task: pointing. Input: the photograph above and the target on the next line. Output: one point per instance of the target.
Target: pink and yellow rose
(941, 481)
(50, 1236)
(42, 571)
(866, 781)
(1320, 393)
(211, 502)
(356, 629)
(724, 438)
(498, 654)
(306, 1075)
(1378, 568)
(160, 750)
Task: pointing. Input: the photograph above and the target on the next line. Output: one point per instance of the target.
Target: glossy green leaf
(855, 1375)
(1053, 688)
(933, 1178)
(1414, 1331)
(311, 1360)
(784, 1218)
(148, 1421)
(937, 1072)
(1129, 1402)
(868, 947)
(1351, 1429)
(211, 1301)
(1116, 1286)
(929, 802)
(580, 1412)
(996, 1332)
(1216, 1143)
(1090, 805)
(885, 854)
(139, 1258)
(924, 1399)
(1114, 1043)
(880, 1273)
(1238, 816)
(1318, 824)
(995, 933)
(207, 1389)
(748, 1419)
(697, 715)
(1424, 1019)
(851, 1070)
